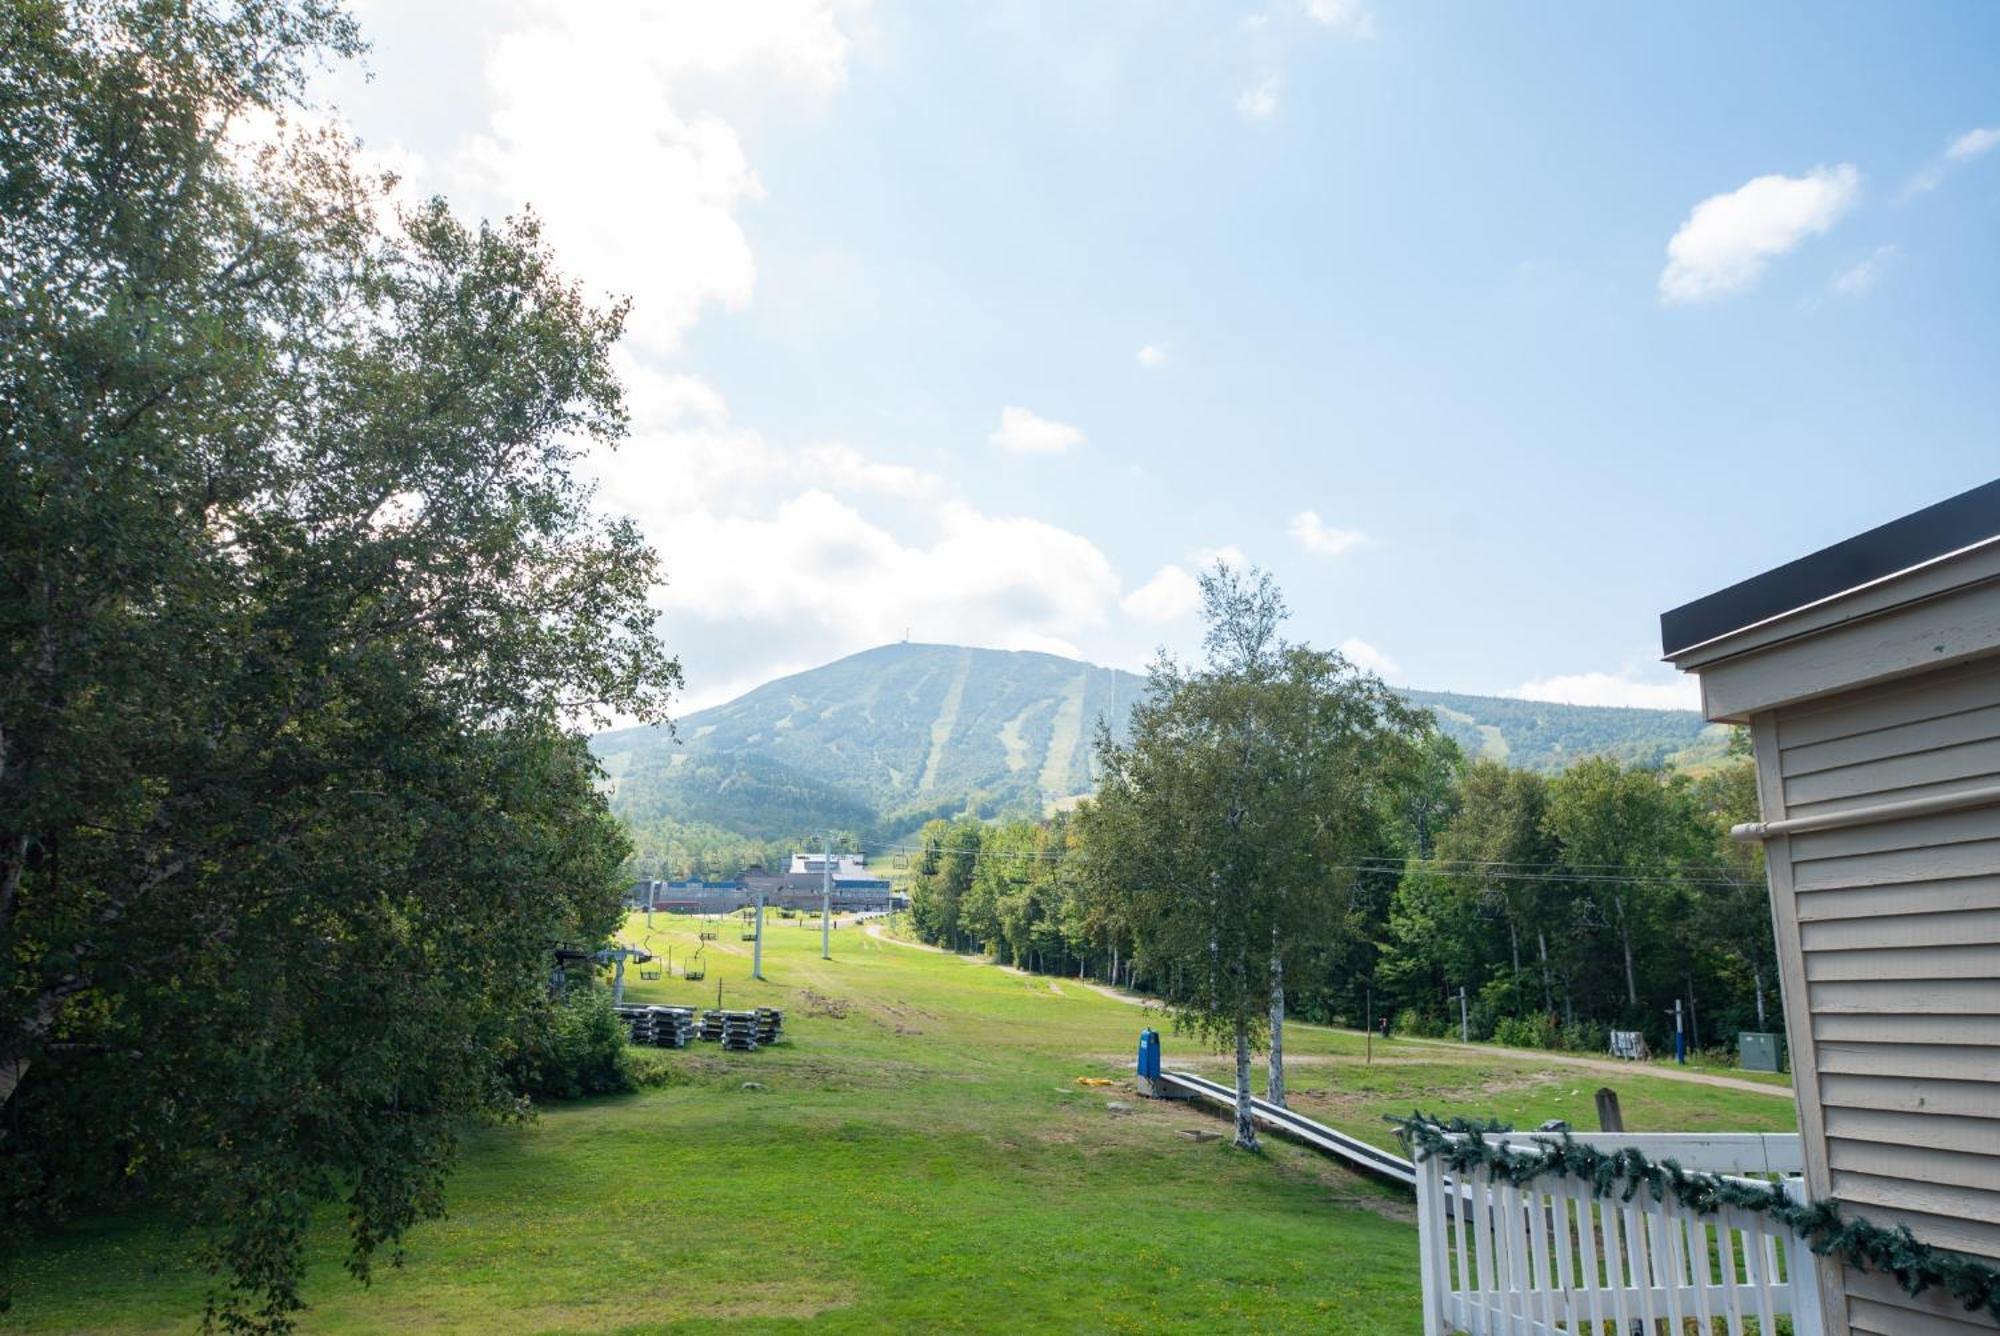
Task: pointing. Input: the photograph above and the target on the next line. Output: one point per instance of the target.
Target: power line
(1490, 870)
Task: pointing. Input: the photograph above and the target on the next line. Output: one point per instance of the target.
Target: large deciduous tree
(1498, 843)
(302, 607)
(1623, 832)
(1236, 812)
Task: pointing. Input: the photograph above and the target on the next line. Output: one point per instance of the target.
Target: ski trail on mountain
(946, 721)
(1064, 732)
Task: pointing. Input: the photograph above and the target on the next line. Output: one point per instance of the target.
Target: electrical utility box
(1757, 1052)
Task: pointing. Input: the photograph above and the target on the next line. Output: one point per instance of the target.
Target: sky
(1492, 331)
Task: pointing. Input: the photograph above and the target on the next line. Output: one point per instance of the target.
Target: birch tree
(1235, 810)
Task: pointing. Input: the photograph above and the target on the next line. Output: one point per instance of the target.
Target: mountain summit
(883, 740)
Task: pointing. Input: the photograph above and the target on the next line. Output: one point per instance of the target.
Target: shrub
(1410, 1021)
(653, 1068)
(581, 1051)
(1537, 1031)
(1586, 1037)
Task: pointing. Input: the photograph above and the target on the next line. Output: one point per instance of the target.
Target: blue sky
(1413, 335)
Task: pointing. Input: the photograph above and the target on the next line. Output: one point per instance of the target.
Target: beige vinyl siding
(1898, 942)
(1877, 1306)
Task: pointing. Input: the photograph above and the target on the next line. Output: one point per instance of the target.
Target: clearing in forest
(917, 1154)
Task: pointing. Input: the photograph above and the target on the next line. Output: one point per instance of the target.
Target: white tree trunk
(1276, 1092)
(1631, 974)
(1246, 1126)
(1548, 998)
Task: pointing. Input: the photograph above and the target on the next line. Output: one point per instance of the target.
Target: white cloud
(779, 558)
(1367, 658)
(1271, 34)
(618, 121)
(1860, 279)
(1729, 239)
(844, 468)
(816, 567)
(1260, 100)
(1683, 693)
(1348, 17)
(1315, 536)
(1152, 355)
(1169, 596)
(1027, 433)
(1204, 557)
(592, 121)
(1973, 143)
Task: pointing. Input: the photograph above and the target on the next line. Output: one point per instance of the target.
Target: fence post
(1802, 1273)
(1430, 1244)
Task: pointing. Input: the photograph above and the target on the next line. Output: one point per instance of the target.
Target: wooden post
(1609, 1117)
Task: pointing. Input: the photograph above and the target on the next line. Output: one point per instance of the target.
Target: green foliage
(580, 1050)
(970, 1140)
(302, 599)
(883, 742)
(1542, 1030)
(728, 811)
(944, 877)
(1410, 1021)
(1535, 939)
(1536, 1031)
(1547, 737)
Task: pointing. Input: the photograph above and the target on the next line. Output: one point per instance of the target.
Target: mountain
(1542, 735)
(884, 740)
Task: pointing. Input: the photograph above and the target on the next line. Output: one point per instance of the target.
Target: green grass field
(920, 1155)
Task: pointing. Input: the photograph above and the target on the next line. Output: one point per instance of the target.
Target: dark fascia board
(1960, 522)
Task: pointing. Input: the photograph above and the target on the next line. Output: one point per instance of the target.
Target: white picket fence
(1549, 1258)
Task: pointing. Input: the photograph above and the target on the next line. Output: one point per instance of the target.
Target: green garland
(1462, 1147)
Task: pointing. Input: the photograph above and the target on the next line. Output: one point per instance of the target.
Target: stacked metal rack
(742, 1031)
(660, 1027)
(739, 1031)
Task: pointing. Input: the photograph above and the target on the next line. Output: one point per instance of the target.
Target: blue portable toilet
(1149, 1054)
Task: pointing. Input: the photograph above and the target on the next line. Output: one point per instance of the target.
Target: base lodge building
(799, 886)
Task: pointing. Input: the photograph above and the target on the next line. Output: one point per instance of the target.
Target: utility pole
(652, 896)
(1464, 1028)
(826, 899)
(1680, 1036)
(757, 951)
(1368, 1022)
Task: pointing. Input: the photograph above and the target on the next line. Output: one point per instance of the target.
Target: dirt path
(1120, 995)
(1605, 1065)
(875, 931)
(1615, 1068)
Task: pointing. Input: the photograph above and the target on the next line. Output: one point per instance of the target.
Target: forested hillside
(1544, 736)
(880, 742)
